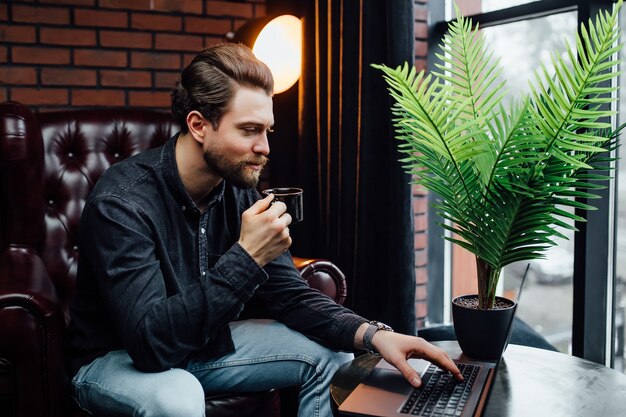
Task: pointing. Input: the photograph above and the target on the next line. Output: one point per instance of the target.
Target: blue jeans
(267, 355)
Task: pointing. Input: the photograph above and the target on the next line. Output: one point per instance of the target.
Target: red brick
(4, 11)
(122, 78)
(125, 39)
(184, 6)
(41, 14)
(420, 240)
(213, 40)
(73, 37)
(71, 2)
(4, 94)
(421, 223)
(420, 64)
(36, 96)
(421, 48)
(178, 42)
(207, 25)
(421, 293)
(226, 8)
(82, 97)
(421, 13)
(421, 258)
(421, 275)
(259, 10)
(155, 60)
(165, 79)
(155, 22)
(18, 75)
(187, 58)
(237, 23)
(3, 54)
(68, 76)
(125, 4)
(100, 18)
(36, 55)
(420, 30)
(149, 99)
(15, 33)
(420, 205)
(421, 311)
(418, 190)
(99, 58)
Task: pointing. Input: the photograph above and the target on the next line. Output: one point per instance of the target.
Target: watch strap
(372, 328)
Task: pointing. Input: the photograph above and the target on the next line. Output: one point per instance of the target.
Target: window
(620, 245)
(574, 298)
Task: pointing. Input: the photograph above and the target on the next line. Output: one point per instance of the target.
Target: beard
(235, 172)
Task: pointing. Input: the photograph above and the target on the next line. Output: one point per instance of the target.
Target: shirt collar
(175, 183)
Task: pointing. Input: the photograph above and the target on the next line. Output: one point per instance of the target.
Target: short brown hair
(208, 83)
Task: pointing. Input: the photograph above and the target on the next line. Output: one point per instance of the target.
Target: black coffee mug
(292, 197)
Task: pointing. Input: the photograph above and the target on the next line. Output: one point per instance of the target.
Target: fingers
(278, 209)
(396, 348)
(408, 372)
(440, 358)
(261, 205)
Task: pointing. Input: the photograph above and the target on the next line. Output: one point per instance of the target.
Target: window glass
(620, 249)
(546, 303)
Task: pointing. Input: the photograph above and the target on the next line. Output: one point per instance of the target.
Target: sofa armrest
(324, 276)
(32, 327)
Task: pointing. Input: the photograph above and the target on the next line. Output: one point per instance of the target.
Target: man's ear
(196, 123)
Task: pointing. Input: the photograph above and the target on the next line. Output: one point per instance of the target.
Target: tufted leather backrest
(50, 163)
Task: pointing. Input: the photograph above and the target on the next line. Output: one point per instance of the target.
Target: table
(529, 382)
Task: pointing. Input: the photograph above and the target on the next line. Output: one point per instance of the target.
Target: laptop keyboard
(441, 394)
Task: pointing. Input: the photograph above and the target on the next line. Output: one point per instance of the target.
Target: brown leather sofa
(49, 163)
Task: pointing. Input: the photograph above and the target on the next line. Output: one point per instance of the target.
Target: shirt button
(202, 230)
(203, 272)
(184, 208)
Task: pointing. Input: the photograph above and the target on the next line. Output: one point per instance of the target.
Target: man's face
(238, 149)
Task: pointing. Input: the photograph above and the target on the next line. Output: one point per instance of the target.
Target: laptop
(386, 393)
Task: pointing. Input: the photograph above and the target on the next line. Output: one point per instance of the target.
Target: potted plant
(506, 175)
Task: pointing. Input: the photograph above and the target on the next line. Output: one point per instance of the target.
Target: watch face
(382, 326)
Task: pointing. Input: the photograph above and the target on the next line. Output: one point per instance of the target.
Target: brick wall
(83, 53)
(420, 196)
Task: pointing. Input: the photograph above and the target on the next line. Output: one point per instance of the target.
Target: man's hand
(396, 348)
(264, 230)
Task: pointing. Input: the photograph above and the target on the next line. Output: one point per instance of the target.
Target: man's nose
(262, 146)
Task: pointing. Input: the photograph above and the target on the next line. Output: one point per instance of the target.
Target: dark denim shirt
(161, 279)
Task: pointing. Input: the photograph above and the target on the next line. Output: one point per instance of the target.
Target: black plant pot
(482, 334)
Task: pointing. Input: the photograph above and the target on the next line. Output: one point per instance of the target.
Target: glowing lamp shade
(279, 45)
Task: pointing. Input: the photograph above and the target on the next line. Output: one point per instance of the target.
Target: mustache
(261, 160)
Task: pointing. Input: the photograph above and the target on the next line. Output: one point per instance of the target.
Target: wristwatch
(373, 327)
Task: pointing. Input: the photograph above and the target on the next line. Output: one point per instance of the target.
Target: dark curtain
(358, 210)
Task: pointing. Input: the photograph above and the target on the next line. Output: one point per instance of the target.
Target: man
(177, 248)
